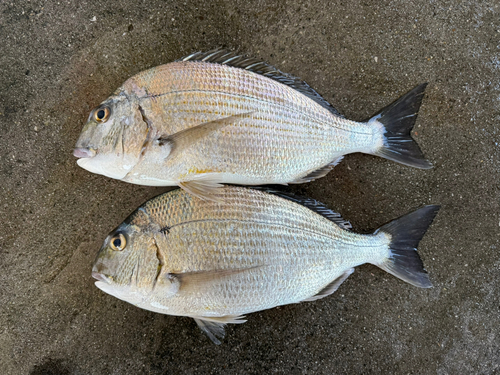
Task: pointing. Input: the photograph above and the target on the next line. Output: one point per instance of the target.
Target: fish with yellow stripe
(217, 117)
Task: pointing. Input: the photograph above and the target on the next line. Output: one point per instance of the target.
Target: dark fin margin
(406, 232)
(398, 119)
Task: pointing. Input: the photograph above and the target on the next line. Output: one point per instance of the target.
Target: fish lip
(84, 152)
(100, 277)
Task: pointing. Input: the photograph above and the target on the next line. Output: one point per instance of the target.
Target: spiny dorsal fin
(312, 204)
(224, 57)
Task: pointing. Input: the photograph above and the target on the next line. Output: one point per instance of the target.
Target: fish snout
(84, 152)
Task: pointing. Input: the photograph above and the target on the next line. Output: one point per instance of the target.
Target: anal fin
(214, 326)
(332, 287)
(318, 173)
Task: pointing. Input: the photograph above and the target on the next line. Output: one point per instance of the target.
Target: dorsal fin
(312, 204)
(224, 57)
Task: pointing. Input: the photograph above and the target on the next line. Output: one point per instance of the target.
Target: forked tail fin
(406, 232)
(398, 120)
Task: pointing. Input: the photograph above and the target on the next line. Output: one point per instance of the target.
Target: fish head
(113, 138)
(128, 262)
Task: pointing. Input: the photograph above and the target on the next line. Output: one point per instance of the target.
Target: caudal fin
(398, 120)
(406, 232)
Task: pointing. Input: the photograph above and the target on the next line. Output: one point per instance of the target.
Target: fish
(218, 118)
(251, 250)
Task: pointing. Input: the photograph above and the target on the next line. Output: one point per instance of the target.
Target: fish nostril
(83, 152)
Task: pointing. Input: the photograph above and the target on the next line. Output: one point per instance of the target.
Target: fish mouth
(84, 152)
(100, 277)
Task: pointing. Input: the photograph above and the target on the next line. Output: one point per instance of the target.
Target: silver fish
(217, 117)
(252, 250)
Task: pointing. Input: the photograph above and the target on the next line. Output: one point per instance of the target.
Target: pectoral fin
(332, 287)
(169, 284)
(198, 282)
(187, 137)
(214, 326)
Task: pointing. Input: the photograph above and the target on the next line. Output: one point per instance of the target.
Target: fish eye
(118, 242)
(101, 114)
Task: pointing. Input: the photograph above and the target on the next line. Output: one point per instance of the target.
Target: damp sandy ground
(59, 59)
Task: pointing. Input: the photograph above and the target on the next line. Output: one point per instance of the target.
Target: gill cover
(128, 264)
(111, 141)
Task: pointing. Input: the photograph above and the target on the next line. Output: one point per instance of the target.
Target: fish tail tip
(397, 121)
(405, 234)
